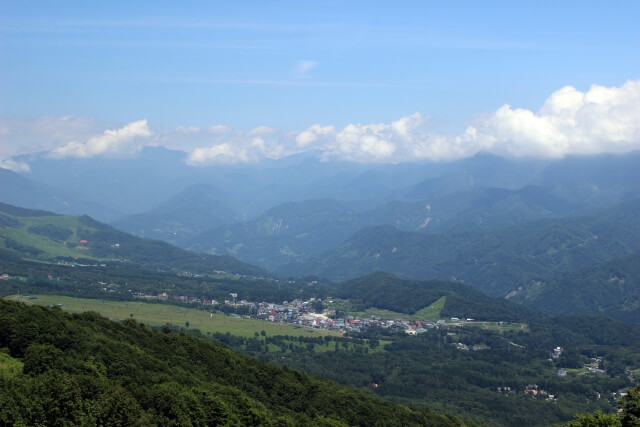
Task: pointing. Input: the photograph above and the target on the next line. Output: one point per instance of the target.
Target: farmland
(160, 314)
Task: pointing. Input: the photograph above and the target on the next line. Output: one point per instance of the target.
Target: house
(595, 370)
(4, 276)
(562, 372)
(557, 352)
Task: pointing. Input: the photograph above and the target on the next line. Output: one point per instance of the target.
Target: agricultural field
(154, 314)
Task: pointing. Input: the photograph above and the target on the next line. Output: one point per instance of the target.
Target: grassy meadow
(154, 314)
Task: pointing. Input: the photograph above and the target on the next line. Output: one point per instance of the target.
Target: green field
(494, 326)
(161, 314)
(430, 313)
(50, 247)
(330, 346)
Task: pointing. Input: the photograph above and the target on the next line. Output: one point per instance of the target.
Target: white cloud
(303, 68)
(262, 130)
(113, 142)
(599, 120)
(237, 146)
(219, 129)
(15, 166)
(303, 139)
(220, 153)
(24, 136)
(406, 139)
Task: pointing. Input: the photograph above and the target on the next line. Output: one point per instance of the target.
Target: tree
(317, 306)
(630, 406)
(596, 420)
(629, 414)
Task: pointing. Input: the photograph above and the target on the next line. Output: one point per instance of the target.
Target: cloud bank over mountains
(114, 142)
(600, 120)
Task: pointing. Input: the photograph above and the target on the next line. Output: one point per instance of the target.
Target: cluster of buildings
(301, 313)
(530, 390)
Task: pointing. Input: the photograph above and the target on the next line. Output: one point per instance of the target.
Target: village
(312, 314)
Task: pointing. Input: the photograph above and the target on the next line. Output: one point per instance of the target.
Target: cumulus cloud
(307, 137)
(219, 153)
(111, 142)
(406, 139)
(19, 136)
(598, 120)
(237, 146)
(219, 129)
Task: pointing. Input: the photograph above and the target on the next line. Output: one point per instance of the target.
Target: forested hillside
(386, 291)
(611, 289)
(86, 370)
(300, 231)
(495, 262)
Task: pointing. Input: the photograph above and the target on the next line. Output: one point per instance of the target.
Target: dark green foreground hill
(84, 369)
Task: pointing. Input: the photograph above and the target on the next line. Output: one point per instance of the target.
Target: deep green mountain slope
(485, 208)
(198, 208)
(49, 237)
(298, 231)
(288, 232)
(386, 291)
(611, 289)
(86, 370)
(496, 262)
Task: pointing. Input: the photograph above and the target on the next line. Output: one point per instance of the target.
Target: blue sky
(291, 65)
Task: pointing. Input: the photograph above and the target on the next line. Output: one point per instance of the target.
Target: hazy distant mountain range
(142, 184)
(504, 226)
